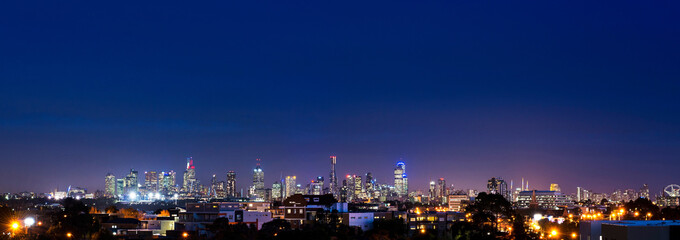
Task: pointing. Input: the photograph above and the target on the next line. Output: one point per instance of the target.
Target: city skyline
(580, 94)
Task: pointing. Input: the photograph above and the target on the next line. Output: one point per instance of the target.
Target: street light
(29, 221)
(15, 225)
(185, 234)
(69, 235)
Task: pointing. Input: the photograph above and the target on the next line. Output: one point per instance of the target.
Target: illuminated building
(258, 182)
(166, 182)
(131, 183)
(120, 187)
(110, 185)
(644, 191)
(441, 191)
(369, 186)
(151, 181)
(290, 186)
(358, 187)
(231, 184)
(333, 181)
(555, 187)
(277, 191)
(498, 186)
(190, 185)
(316, 187)
(458, 202)
(400, 180)
(543, 199)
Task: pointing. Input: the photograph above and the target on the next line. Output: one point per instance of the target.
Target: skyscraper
(555, 187)
(231, 184)
(498, 186)
(333, 181)
(369, 186)
(277, 191)
(400, 180)
(110, 185)
(166, 182)
(290, 186)
(441, 191)
(131, 182)
(316, 187)
(189, 184)
(120, 187)
(151, 181)
(258, 181)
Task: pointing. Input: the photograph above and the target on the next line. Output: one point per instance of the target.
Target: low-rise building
(543, 199)
(629, 230)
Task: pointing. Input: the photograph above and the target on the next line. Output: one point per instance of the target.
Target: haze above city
(579, 94)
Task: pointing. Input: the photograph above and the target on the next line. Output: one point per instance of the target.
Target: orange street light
(69, 235)
(185, 234)
(573, 235)
(15, 225)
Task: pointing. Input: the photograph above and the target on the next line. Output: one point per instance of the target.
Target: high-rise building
(644, 191)
(190, 185)
(290, 186)
(216, 188)
(166, 182)
(277, 191)
(316, 187)
(258, 182)
(131, 182)
(400, 180)
(231, 184)
(497, 185)
(151, 181)
(120, 187)
(441, 191)
(555, 187)
(110, 185)
(369, 186)
(358, 187)
(333, 180)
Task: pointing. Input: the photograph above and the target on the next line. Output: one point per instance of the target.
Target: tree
(111, 209)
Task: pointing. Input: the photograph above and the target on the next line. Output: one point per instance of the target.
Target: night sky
(569, 92)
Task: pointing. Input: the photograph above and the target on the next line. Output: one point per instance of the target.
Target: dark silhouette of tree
(642, 206)
(388, 229)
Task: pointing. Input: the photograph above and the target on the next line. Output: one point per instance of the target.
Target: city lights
(29, 221)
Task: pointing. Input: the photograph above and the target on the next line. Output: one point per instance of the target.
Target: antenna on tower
(257, 160)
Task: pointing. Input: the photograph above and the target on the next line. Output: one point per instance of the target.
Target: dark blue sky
(571, 92)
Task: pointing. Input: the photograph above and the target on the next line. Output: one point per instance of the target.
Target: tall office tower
(644, 191)
(258, 181)
(151, 181)
(190, 184)
(369, 185)
(350, 186)
(498, 186)
(110, 185)
(316, 187)
(333, 180)
(358, 187)
(441, 190)
(277, 191)
(120, 187)
(433, 191)
(131, 183)
(290, 186)
(555, 187)
(400, 180)
(213, 186)
(231, 184)
(579, 194)
(344, 191)
(165, 182)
